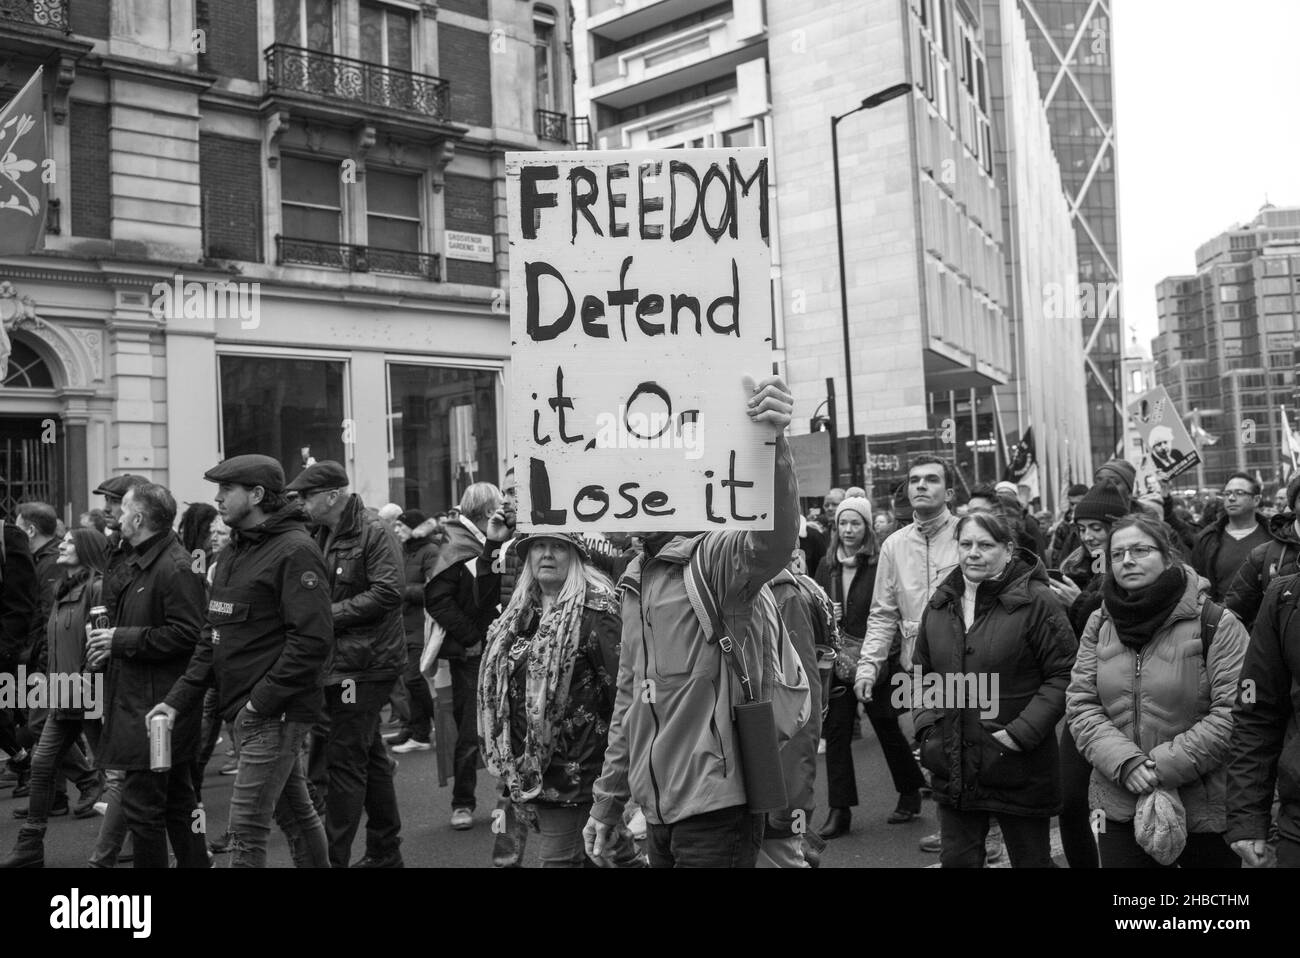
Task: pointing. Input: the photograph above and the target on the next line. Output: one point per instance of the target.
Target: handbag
(846, 658)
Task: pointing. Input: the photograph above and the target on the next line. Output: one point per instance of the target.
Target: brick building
(277, 226)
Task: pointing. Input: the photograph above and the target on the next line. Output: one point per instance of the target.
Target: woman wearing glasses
(1149, 703)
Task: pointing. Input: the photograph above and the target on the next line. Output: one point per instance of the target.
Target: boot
(836, 824)
(29, 850)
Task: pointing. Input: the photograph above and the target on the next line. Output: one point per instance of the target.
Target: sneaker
(230, 768)
(412, 745)
(87, 800)
(392, 860)
(220, 845)
(400, 737)
(101, 808)
(462, 819)
(931, 843)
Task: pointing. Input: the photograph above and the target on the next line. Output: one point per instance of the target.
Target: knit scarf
(549, 655)
(1139, 614)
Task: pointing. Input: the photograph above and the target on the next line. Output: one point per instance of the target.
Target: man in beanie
(1064, 537)
(269, 610)
(1119, 473)
(1266, 562)
(1223, 547)
(419, 555)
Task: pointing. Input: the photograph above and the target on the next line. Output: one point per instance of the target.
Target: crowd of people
(1128, 670)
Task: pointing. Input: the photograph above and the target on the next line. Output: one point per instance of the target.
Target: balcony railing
(357, 259)
(40, 13)
(355, 81)
(553, 126)
(581, 133)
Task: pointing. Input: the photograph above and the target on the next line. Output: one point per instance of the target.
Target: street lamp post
(871, 102)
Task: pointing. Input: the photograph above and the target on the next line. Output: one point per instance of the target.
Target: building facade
(280, 228)
(1226, 348)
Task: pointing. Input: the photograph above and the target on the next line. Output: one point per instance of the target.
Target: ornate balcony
(317, 74)
(36, 13)
(553, 126)
(357, 259)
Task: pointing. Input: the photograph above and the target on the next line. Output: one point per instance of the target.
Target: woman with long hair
(546, 691)
(1151, 696)
(848, 575)
(994, 652)
(83, 555)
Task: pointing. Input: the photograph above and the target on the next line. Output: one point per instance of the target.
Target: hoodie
(1279, 557)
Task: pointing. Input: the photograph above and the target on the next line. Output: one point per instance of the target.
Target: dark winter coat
(48, 576)
(462, 602)
(856, 606)
(270, 627)
(65, 636)
(1264, 748)
(1078, 566)
(419, 556)
(1281, 557)
(18, 595)
(366, 579)
(1021, 636)
(156, 617)
(1206, 552)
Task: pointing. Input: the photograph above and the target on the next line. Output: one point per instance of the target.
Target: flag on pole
(1290, 448)
(1198, 433)
(23, 152)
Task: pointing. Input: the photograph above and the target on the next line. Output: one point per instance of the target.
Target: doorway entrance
(31, 462)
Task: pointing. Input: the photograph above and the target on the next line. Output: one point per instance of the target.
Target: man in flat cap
(269, 610)
(349, 766)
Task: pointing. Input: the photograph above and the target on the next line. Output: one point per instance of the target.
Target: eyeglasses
(1237, 493)
(1138, 552)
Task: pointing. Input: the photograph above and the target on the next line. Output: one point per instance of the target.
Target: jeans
(726, 838)
(464, 704)
(837, 729)
(159, 806)
(351, 773)
(559, 827)
(270, 783)
(962, 834)
(903, 768)
(56, 752)
(419, 722)
(1120, 849)
(209, 732)
(1076, 827)
(1288, 853)
(112, 830)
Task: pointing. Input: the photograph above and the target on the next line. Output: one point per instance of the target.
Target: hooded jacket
(1206, 552)
(464, 603)
(419, 555)
(912, 563)
(1277, 558)
(1020, 640)
(672, 744)
(1165, 702)
(269, 626)
(366, 580)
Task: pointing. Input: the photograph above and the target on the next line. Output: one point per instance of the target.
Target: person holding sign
(673, 742)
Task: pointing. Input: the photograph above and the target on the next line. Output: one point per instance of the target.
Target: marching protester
(269, 609)
(1262, 750)
(349, 765)
(546, 689)
(419, 554)
(994, 625)
(82, 557)
(672, 740)
(911, 564)
(1150, 701)
(463, 598)
(155, 611)
(1279, 557)
(848, 575)
(1223, 547)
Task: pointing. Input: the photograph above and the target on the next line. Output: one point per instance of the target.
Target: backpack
(825, 632)
(1211, 615)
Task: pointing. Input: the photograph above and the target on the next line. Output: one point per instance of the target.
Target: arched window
(26, 369)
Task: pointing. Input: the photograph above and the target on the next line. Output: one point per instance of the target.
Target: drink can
(99, 617)
(160, 743)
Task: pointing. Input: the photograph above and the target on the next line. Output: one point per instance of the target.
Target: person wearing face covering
(1151, 697)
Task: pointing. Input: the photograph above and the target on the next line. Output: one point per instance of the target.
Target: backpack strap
(1211, 613)
(709, 612)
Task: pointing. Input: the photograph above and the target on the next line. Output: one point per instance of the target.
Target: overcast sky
(1208, 114)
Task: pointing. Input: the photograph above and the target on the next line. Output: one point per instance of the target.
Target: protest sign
(1167, 449)
(639, 303)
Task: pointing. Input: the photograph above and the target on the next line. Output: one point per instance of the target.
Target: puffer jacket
(419, 557)
(1277, 558)
(1020, 640)
(912, 563)
(366, 580)
(65, 638)
(1163, 702)
(674, 751)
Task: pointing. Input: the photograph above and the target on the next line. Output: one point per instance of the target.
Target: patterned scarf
(550, 654)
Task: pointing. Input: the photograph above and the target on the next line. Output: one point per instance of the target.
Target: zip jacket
(1277, 558)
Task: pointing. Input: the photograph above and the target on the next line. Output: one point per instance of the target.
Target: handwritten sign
(1167, 449)
(639, 301)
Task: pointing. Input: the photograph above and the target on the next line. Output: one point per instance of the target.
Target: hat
(412, 518)
(525, 540)
(325, 474)
(117, 486)
(1008, 487)
(1078, 489)
(1118, 470)
(249, 470)
(855, 504)
(1102, 503)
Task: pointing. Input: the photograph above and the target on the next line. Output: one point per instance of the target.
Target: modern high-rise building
(276, 226)
(1072, 47)
(1226, 348)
